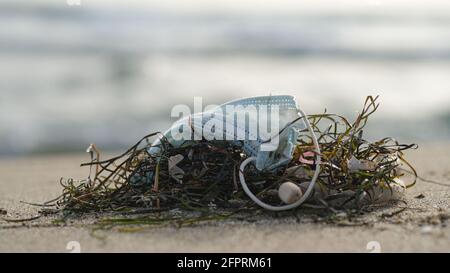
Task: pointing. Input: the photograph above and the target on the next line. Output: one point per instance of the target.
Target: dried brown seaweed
(206, 174)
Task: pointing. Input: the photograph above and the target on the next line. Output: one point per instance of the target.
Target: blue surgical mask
(268, 131)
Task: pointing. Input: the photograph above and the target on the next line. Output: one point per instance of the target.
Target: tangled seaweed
(204, 176)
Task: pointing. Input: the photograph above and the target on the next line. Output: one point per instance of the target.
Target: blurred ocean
(110, 73)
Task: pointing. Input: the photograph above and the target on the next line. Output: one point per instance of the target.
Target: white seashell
(355, 165)
(382, 193)
(399, 170)
(398, 188)
(289, 192)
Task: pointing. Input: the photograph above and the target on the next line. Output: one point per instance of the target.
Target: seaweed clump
(204, 176)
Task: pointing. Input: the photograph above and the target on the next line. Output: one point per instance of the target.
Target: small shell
(383, 193)
(289, 192)
(355, 165)
(399, 170)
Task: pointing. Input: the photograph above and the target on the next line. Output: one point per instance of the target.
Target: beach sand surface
(423, 227)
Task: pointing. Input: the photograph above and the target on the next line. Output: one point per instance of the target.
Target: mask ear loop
(311, 184)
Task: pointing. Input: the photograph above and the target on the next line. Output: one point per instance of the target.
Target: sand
(423, 227)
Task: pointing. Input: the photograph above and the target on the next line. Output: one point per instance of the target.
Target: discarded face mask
(228, 122)
(245, 122)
